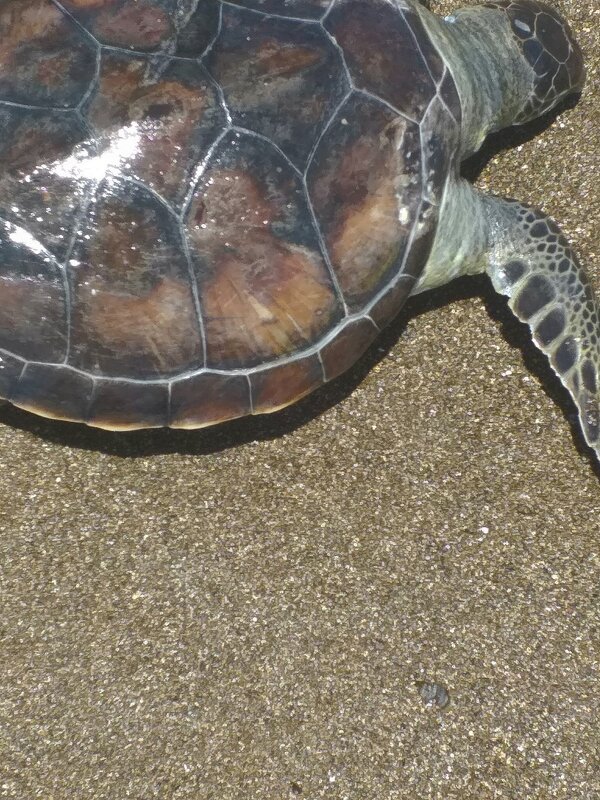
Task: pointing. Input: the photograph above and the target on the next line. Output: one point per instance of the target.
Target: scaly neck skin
(492, 77)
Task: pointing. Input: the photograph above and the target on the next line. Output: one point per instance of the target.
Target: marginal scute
(54, 391)
(208, 398)
(124, 405)
(382, 54)
(279, 79)
(46, 60)
(133, 311)
(349, 344)
(278, 386)
(33, 318)
(263, 284)
(388, 306)
(365, 186)
(420, 246)
(153, 120)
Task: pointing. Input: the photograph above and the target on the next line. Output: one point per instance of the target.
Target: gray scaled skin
(513, 61)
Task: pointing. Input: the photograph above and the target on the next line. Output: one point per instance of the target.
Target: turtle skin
(209, 209)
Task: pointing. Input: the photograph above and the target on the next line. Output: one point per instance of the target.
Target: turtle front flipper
(529, 260)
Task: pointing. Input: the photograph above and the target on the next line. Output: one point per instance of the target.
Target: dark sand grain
(277, 609)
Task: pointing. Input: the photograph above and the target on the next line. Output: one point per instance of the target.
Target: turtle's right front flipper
(531, 262)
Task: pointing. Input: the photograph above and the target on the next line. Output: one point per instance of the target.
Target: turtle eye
(550, 48)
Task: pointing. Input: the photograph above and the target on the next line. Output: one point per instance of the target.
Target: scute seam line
(418, 46)
(255, 135)
(342, 56)
(94, 83)
(219, 90)
(199, 171)
(377, 99)
(28, 107)
(314, 349)
(304, 20)
(160, 54)
(194, 288)
(212, 42)
(76, 22)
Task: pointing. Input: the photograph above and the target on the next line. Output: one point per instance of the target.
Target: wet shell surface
(206, 209)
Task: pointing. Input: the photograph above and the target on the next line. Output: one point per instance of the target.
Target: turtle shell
(208, 209)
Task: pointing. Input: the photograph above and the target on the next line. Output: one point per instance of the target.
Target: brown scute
(207, 399)
(265, 300)
(54, 391)
(168, 119)
(160, 326)
(122, 406)
(142, 25)
(133, 307)
(274, 61)
(279, 78)
(230, 204)
(347, 347)
(366, 245)
(381, 53)
(45, 60)
(278, 386)
(263, 285)
(388, 306)
(150, 25)
(365, 184)
(10, 370)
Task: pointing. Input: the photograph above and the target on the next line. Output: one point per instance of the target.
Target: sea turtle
(209, 208)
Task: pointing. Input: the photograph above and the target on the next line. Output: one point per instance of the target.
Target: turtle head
(549, 47)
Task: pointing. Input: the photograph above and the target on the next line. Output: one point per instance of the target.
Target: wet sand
(282, 607)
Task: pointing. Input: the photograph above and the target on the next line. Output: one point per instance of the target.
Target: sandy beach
(388, 591)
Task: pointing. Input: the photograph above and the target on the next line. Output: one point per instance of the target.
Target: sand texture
(389, 591)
